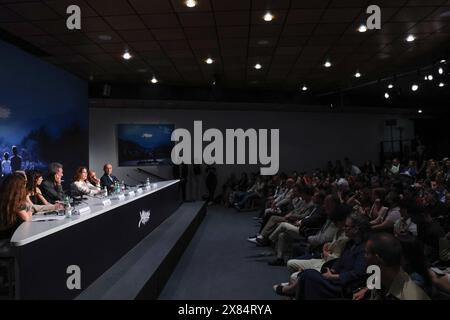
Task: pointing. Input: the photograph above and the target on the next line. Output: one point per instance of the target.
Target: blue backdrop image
(43, 111)
(144, 145)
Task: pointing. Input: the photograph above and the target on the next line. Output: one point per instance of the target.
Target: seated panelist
(81, 186)
(108, 180)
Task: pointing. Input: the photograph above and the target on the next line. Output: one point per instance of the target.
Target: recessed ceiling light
(419, 111)
(443, 61)
(362, 28)
(209, 61)
(415, 87)
(258, 66)
(304, 88)
(410, 38)
(191, 3)
(441, 70)
(268, 17)
(154, 80)
(104, 37)
(127, 56)
(327, 64)
(386, 95)
(357, 75)
(430, 77)
(390, 86)
(441, 84)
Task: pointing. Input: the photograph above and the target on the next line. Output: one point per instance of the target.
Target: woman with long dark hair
(34, 180)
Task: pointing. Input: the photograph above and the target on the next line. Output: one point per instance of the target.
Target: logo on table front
(145, 217)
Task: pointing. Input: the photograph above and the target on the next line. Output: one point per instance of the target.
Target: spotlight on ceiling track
(420, 111)
(154, 80)
(415, 87)
(390, 86)
(191, 3)
(386, 95)
(304, 88)
(127, 55)
(410, 38)
(327, 64)
(362, 28)
(268, 17)
(357, 75)
(441, 85)
(209, 61)
(258, 66)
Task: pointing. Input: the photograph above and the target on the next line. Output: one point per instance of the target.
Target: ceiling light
(441, 85)
(410, 38)
(304, 88)
(191, 3)
(441, 70)
(419, 111)
(443, 61)
(258, 66)
(362, 28)
(390, 86)
(127, 55)
(268, 17)
(357, 75)
(154, 80)
(209, 61)
(430, 77)
(414, 87)
(386, 95)
(327, 64)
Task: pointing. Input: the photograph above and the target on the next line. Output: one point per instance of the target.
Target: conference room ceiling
(170, 41)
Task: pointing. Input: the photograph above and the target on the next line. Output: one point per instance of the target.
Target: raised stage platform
(108, 239)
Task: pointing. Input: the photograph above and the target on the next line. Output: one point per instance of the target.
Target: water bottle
(148, 182)
(123, 186)
(105, 192)
(68, 210)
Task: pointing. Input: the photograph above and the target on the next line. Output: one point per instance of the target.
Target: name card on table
(119, 197)
(106, 202)
(131, 194)
(139, 190)
(84, 210)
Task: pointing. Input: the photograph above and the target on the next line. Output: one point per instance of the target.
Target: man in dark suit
(108, 180)
(52, 186)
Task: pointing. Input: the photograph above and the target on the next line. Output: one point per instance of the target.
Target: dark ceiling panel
(167, 35)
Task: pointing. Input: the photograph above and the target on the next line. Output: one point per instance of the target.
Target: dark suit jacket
(51, 192)
(107, 181)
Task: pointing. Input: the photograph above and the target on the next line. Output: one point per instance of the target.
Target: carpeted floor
(221, 264)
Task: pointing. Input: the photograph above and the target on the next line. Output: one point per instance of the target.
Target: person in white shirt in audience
(81, 186)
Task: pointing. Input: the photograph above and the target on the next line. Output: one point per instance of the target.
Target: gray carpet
(220, 264)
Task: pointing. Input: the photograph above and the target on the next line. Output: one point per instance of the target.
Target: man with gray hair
(52, 186)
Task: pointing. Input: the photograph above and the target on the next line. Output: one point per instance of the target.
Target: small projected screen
(144, 144)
